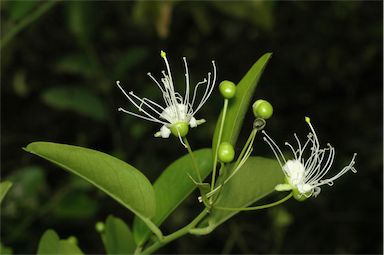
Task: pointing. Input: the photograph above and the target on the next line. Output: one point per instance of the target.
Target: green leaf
(4, 250)
(172, 187)
(80, 20)
(4, 187)
(239, 105)
(256, 179)
(259, 13)
(76, 64)
(77, 99)
(50, 243)
(19, 9)
(118, 237)
(116, 178)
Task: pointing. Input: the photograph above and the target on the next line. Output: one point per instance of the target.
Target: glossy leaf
(75, 99)
(50, 243)
(4, 187)
(256, 179)
(172, 187)
(118, 179)
(118, 237)
(240, 104)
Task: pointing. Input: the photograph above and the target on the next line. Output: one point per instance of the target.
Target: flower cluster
(304, 176)
(178, 114)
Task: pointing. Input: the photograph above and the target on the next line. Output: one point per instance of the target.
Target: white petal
(194, 123)
(164, 132)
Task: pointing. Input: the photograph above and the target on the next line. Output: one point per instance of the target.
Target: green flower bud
(226, 152)
(179, 128)
(227, 89)
(262, 109)
(72, 239)
(100, 226)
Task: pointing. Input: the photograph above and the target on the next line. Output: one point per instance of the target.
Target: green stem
(255, 207)
(153, 228)
(43, 8)
(175, 235)
(218, 143)
(250, 138)
(193, 158)
(202, 231)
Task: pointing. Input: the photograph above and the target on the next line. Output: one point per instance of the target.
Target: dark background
(58, 84)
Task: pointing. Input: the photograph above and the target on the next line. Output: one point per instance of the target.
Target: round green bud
(298, 196)
(226, 153)
(179, 128)
(227, 89)
(72, 240)
(262, 109)
(99, 226)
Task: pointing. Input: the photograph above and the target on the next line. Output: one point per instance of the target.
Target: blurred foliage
(59, 64)
(50, 243)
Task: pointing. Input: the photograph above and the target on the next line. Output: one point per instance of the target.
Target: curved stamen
(186, 99)
(195, 91)
(276, 150)
(141, 116)
(135, 104)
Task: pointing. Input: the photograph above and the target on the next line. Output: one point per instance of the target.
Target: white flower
(304, 175)
(178, 112)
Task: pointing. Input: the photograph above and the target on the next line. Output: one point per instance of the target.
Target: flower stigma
(305, 172)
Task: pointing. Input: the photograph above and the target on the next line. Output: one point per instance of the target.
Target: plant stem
(251, 137)
(193, 158)
(218, 143)
(153, 228)
(175, 235)
(255, 207)
(26, 21)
